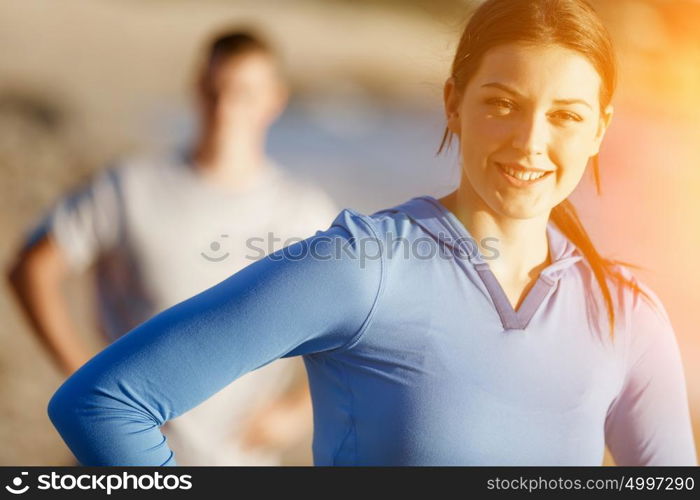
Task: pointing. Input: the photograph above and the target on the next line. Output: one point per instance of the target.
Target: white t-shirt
(158, 233)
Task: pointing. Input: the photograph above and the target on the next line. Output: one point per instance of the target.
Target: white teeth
(523, 176)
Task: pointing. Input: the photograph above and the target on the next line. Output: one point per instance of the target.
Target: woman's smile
(520, 177)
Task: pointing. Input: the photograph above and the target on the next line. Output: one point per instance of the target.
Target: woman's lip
(518, 182)
(518, 166)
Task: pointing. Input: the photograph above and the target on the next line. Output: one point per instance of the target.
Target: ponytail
(567, 221)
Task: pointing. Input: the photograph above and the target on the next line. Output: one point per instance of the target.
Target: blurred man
(159, 230)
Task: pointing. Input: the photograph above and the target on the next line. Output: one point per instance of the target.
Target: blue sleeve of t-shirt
(311, 297)
(648, 423)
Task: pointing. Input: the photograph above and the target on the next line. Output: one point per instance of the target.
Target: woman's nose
(530, 135)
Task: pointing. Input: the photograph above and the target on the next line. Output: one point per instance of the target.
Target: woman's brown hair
(572, 24)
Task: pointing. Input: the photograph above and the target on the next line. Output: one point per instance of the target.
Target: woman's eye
(569, 116)
(501, 103)
(504, 106)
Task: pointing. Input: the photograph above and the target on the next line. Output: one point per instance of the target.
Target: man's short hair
(234, 42)
(226, 44)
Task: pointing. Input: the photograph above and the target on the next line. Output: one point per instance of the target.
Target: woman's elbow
(63, 408)
(75, 410)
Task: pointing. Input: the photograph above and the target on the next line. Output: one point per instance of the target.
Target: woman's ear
(452, 104)
(603, 124)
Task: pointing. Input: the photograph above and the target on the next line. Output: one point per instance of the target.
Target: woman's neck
(521, 245)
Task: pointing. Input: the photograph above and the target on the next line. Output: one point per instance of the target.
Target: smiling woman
(524, 146)
(451, 359)
(530, 99)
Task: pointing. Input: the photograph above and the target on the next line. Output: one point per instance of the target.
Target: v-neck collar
(444, 225)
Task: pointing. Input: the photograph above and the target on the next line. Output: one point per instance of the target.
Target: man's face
(249, 90)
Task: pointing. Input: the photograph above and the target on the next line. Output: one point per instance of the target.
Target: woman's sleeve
(311, 297)
(649, 421)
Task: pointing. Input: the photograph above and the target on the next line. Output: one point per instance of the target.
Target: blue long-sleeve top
(413, 352)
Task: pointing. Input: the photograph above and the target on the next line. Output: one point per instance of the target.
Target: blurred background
(85, 81)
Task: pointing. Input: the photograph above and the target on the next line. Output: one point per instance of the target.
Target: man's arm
(36, 279)
(73, 233)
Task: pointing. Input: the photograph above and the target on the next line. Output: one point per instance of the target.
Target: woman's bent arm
(310, 297)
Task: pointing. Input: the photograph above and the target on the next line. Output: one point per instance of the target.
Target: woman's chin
(520, 211)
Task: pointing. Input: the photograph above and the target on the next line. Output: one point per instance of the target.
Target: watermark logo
(16, 488)
(215, 246)
(326, 246)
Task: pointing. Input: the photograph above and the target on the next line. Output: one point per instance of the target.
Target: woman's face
(532, 109)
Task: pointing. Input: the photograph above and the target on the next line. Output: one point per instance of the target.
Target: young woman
(479, 329)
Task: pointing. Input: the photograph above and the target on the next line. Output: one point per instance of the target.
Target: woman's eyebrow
(510, 90)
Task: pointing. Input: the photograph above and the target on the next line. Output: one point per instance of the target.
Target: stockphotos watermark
(327, 247)
(106, 483)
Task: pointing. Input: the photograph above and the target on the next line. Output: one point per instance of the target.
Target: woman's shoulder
(633, 292)
(376, 225)
(640, 308)
(354, 222)
(397, 220)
